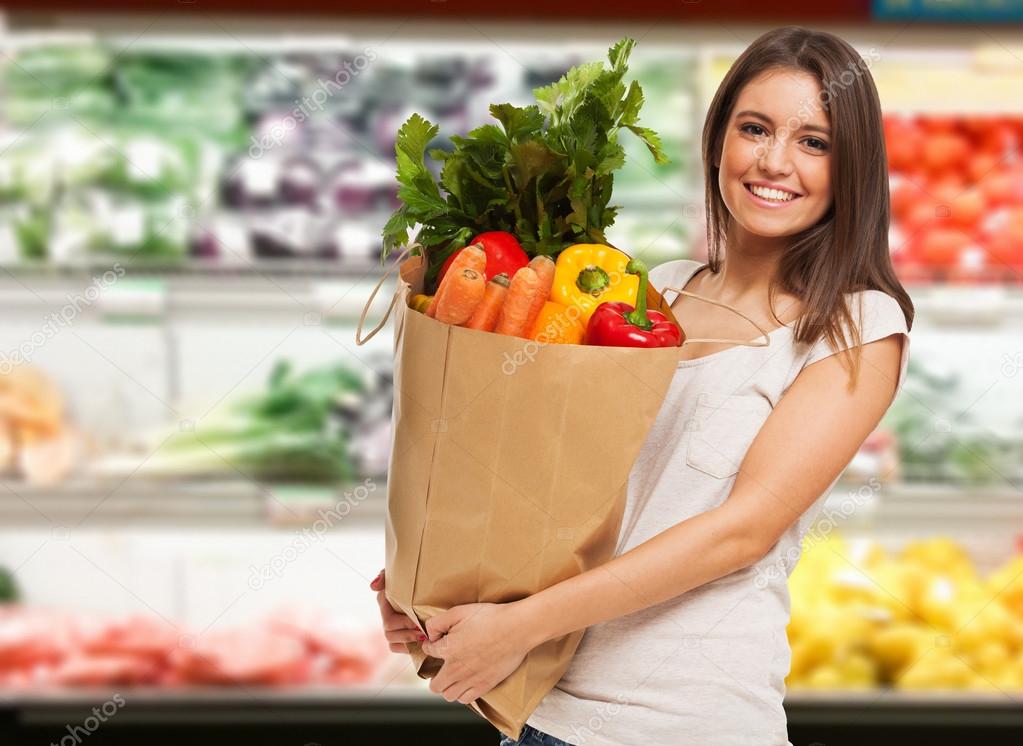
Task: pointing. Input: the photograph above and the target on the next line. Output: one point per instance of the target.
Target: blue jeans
(532, 737)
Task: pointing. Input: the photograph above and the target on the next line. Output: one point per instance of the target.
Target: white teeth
(775, 194)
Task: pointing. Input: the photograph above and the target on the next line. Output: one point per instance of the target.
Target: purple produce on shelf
(363, 185)
(205, 245)
(250, 182)
(286, 233)
(301, 182)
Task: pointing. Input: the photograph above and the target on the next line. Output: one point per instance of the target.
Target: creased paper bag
(508, 473)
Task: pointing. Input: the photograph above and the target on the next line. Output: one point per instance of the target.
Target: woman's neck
(749, 264)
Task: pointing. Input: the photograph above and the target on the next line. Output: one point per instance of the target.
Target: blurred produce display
(111, 155)
(37, 441)
(922, 619)
(8, 587)
(326, 425)
(957, 197)
(930, 449)
(154, 154)
(44, 649)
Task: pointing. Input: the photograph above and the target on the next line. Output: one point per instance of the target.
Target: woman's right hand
(398, 628)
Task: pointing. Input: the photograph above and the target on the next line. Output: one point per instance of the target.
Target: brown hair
(847, 249)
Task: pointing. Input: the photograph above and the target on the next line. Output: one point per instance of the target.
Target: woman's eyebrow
(806, 126)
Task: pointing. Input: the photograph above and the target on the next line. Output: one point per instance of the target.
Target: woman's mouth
(768, 197)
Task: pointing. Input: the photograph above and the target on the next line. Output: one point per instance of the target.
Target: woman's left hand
(481, 644)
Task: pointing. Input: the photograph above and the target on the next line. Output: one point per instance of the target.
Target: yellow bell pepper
(587, 275)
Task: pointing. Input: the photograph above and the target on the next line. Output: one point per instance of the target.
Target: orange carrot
(461, 296)
(515, 311)
(544, 268)
(484, 317)
(471, 257)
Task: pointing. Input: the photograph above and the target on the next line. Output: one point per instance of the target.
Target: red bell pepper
(617, 324)
(504, 254)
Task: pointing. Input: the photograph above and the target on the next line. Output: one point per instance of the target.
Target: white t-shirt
(707, 667)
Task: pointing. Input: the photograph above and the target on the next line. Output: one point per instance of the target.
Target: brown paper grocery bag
(508, 472)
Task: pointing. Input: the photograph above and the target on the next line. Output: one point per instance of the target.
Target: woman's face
(777, 139)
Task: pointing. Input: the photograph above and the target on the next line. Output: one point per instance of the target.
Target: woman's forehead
(781, 94)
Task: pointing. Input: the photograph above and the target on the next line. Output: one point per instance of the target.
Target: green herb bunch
(545, 174)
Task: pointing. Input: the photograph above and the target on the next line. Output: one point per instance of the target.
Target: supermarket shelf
(415, 704)
(196, 266)
(201, 505)
(975, 305)
(900, 708)
(303, 289)
(899, 507)
(316, 291)
(363, 705)
(929, 505)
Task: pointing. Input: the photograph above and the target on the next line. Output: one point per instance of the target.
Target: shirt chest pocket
(722, 429)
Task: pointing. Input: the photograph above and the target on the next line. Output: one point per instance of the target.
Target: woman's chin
(768, 228)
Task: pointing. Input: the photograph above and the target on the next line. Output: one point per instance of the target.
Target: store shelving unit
(838, 717)
(194, 504)
(312, 292)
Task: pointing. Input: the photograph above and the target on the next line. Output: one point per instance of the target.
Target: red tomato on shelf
(945, 152)
(981, 165)
(942, 247)
(967, 208)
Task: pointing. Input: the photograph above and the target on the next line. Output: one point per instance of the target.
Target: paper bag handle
(750, 343)
(359, 339)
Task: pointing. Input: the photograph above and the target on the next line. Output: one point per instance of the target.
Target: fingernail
(379, 574)
(422, 638)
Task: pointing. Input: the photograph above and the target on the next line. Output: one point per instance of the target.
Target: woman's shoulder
(876, 308)
(876, 315)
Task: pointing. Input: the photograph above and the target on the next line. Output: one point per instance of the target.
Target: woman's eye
(751, 127)
(816, 144)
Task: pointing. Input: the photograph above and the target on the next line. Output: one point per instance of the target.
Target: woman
(685, 628)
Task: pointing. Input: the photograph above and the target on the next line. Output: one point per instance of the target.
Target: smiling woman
(795, 121)
(685, 627)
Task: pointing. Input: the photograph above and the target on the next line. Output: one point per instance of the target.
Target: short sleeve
(881, 317)
(667, 273)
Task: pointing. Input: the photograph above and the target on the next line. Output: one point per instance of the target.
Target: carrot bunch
(505, 305)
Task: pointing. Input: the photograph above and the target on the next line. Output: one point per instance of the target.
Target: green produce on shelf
(8, 588)
(290, 432)
(938, 441)
(545, 174)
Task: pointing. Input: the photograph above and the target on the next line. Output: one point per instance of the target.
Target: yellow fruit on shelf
(936, 669)
(897, 646)
(825, 677)
(921, 619)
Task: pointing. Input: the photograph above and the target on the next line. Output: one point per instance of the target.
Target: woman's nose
(774, 157)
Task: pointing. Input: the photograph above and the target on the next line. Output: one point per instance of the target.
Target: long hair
(847, 249)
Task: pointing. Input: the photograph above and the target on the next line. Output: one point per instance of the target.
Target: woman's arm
(805, 443)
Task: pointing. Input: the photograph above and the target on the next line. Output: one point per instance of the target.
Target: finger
(439, 625)
(377, 583)
(471, 695)
(444, 678)
(455, 691)
(392, 618)
(405, 635)
(398, 648)
(400, 621)
(435, 648)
